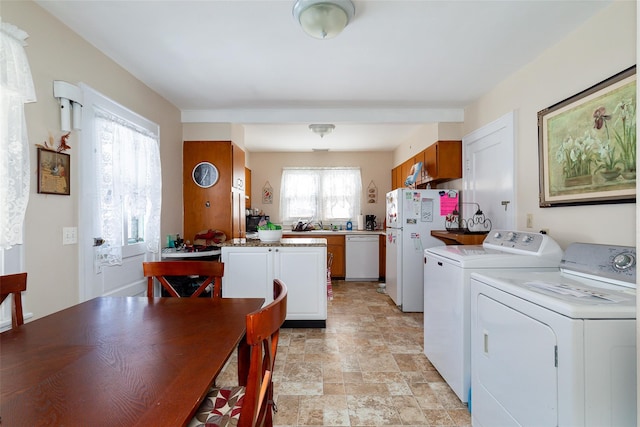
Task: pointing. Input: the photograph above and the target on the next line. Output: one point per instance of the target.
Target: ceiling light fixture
(323, 19)
(322, 129)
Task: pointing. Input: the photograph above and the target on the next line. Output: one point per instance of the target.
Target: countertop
(459, 238)
(283, 242)
(333, 232)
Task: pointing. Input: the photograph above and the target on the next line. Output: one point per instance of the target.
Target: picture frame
(54, 172)
(587, 145)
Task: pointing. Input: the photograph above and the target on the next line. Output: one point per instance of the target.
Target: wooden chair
(212, 270)
(14, 284)
(251, 403)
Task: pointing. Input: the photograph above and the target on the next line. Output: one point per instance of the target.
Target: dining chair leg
(244, 359)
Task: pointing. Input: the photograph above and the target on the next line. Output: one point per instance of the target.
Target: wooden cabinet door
(206, 208)
(431, 162)
(398, 177)
(394, 178)
(335, 245)
(247, 188)
(238, 167)
(443, 161)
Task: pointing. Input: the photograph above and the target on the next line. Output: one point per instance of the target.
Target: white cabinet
(249, 272)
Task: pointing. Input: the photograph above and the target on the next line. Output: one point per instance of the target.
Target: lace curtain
(129, 184)
(16, 89)
(321, 194)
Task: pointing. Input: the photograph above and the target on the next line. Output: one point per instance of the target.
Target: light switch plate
(69, 235)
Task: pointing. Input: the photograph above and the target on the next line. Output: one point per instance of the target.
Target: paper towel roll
(360, 222)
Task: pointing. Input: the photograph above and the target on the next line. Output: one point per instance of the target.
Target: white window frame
(317, 193)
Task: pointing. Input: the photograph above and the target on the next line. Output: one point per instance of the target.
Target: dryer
(556, 348)
(447, 278)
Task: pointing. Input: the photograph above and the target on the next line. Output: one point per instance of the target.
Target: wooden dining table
(118, 361)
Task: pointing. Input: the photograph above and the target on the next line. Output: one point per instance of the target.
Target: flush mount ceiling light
(322, 129)
(323, 19)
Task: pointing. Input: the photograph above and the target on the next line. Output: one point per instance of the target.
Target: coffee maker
(370, 222)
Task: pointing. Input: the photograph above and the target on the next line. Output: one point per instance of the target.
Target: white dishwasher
(361, 253)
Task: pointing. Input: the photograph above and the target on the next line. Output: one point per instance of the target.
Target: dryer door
(513, 366)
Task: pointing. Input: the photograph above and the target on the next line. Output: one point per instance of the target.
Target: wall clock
(205, 174)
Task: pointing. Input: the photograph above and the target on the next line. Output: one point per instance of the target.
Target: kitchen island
(250, 266)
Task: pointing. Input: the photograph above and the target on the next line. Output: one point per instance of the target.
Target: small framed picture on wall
(53, 172)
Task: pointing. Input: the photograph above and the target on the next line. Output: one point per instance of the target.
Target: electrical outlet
(529, 220)
(69, 235)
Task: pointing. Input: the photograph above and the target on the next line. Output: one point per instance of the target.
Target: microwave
(253, 220)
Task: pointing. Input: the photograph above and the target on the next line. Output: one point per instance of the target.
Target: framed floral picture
(587, 145)
(53, 172)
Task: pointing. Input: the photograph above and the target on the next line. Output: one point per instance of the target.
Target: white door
(488, 175)
(124, 279)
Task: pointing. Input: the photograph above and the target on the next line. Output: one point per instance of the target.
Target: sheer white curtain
(321, 194)
(129, 185)
(16, 89)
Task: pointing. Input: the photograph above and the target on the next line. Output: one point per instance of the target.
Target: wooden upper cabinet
(442, 162)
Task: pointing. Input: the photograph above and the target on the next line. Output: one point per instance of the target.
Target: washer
(557, 348)
(447, 279)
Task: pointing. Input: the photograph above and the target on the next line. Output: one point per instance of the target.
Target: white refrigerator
(410, 217)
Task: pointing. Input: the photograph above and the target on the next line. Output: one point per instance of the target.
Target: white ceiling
(398, 64)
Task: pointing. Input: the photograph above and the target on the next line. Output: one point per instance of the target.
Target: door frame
(88, 269)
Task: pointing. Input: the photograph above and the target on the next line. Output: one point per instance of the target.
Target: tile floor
(366, 368)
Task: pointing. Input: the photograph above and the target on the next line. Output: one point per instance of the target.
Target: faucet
(319, 223)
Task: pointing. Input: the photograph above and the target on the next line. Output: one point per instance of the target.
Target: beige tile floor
(366, 368)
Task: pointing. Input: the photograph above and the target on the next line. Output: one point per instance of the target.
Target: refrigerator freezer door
(394, 209)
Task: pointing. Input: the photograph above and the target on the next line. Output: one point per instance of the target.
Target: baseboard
(305, 324)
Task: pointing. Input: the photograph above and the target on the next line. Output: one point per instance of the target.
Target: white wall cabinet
(249, 272)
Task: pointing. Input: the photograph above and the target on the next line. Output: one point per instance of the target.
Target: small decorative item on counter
(269, 232)
(349, 225)
(207, 238)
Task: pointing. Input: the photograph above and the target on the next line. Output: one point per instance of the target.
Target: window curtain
(299, 194)
(16, 89)
(129, 183)
(323, 194)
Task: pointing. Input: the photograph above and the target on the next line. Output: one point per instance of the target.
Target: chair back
(14, 284)
(211, 270)
(263, 331)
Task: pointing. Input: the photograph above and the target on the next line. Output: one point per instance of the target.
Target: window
(128, 183)
(320, 194)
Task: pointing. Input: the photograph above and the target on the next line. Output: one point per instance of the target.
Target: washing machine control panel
(613, 262)
(521, 242)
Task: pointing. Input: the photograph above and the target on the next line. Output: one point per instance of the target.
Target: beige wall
(56, 53)
(375, 166)
(599, 49)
